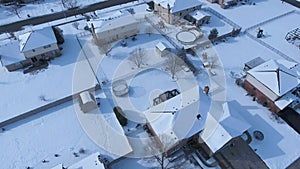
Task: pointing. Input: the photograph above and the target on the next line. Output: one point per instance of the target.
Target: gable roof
(276, 76)
(37, 39)
(229, 126)
(178, 5)
(161, 46)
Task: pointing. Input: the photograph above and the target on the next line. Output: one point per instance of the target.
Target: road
(12, 27)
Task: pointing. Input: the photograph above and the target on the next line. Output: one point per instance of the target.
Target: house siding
(118, 33)
(41, 50)
(172, 18)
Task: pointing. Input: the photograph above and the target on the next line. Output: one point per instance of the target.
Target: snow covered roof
(125, 21)
(285, 100)
(161, 46)
(177, 117)
(36, 39)
(10, 53)
(178, 5)
(231, 125)
(276, 76)
(86, 97)
(90, 162)
(198, 14)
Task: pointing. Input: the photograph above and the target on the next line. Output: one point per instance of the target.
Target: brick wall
(260, 97)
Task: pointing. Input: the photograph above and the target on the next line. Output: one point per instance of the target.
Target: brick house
(270, 81)
(173, 10)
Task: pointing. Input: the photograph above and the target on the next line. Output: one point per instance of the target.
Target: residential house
(31, 48)
(118, 29)
(39, 45)
(165, 120)
(270, 81)
(173, 10)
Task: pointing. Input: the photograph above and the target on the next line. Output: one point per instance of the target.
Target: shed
(161, 48)
(87, 101)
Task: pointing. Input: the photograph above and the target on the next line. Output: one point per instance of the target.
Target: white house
(173, 10)
(39, 44)
(118, 29)
(30, 48)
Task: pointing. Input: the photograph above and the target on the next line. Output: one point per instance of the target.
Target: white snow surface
(36, 39)
(275, 76)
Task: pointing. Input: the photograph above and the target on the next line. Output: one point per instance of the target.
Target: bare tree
(158, 147)
(69, 3)
(15, 9)
(173, 64)
(137, 57)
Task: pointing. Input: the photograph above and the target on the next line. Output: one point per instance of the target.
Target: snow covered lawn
(275, 32)
(39, 137)
(25, 92)
(249, 15)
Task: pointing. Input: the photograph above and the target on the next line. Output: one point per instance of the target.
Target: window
(34, 59)
(47, 46)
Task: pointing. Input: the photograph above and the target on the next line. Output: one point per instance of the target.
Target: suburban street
(12, 27)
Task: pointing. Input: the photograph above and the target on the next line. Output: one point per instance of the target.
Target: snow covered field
(46, 86)
(275, 32)
(57, 131)
(249, 15)
(32, 140)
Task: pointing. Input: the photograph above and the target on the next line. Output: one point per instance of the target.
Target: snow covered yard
(39, 137)
(45, 86)
(278, 148)
(217, 23)
(110, 64)
(143, 90)
(275, 32)
(249, 15)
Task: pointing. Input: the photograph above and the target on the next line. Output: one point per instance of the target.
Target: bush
(213, 34)
(120, 116)
(59, 35)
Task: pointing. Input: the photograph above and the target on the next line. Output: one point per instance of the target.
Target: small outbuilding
(198, 17)
(161, 49)
(87, 101)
